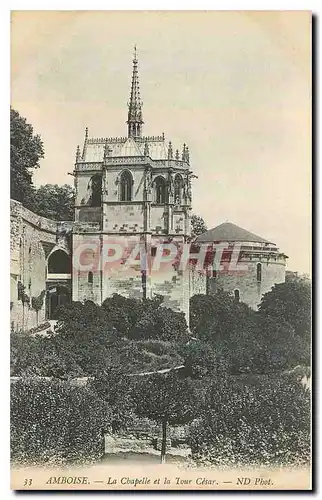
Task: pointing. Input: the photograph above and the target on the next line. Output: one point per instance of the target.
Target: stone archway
(58, 294)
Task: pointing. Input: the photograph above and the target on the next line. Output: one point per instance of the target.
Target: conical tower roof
(230, 232)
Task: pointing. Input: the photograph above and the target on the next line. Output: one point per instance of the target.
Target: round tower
(246, 266)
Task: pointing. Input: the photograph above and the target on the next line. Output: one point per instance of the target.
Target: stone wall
(250, 290)
(32, 238)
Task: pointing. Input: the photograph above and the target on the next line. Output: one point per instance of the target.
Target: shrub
(253, 422)
(52, 421)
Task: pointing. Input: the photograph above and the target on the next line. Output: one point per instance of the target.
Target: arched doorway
(57, 295)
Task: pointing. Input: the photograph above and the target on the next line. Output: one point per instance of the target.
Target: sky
(234, 86)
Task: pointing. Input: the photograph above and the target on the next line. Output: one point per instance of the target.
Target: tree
(55, 202)
(148, 319)
(168, 400)
(290, 302)
(213, 317)
(26, 150)
(200, 358)
(244, 341)
(160, 323)
(198, 225)
(114, 387)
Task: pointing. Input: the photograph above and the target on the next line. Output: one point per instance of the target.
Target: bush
(253, 422)
(52, 421)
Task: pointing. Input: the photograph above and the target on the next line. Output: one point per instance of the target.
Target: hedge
(53, 421)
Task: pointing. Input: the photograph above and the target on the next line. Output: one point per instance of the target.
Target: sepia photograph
(160, 250)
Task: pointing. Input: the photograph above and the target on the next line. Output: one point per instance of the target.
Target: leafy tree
(147, 319)
(169, 400)
(290, 302)
(213, 317)
(114, 387)
(161, 323)
(245, 341)
(26, 150)
(200, 358)
(55, 202)
(198, 225)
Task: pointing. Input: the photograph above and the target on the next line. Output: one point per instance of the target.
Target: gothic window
(96, 191)
(259, 272)
(90, 277)
(236, 293)
(160, 190)
(178, 185)
(126, 182)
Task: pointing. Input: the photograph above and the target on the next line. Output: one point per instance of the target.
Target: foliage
(290, 302)
(86, 343)
(114, 387)
(55, 202)
(167, 396)
(26, 150)
(167, 399)
(55, 422)
(22, 295)
(198, 225)
(147, 319)
(262, 421)
(38, 302)
(212, 317)
(40, 356)
(245, 341)
(200, 359)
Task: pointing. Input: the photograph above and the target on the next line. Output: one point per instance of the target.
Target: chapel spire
(134, 117)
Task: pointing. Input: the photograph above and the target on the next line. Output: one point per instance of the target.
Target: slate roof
(230, 232)
(120, 146)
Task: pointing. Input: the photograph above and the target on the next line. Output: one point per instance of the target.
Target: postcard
(160, 267)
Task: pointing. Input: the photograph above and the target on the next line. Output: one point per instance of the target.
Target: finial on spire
(163, 136)
(146, 149)
(85, 143)
(134, 118)
(183, 156)
(170, 151)
(187, 156)
(77, 154)
(177, 155)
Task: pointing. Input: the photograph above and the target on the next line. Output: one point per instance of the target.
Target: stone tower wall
(250, 290)
(31, 239)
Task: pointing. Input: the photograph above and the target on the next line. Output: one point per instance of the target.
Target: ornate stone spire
(77, 154)
(177, 155)
(134, 117)
(183, 156)
(170, 151)
(185, 153)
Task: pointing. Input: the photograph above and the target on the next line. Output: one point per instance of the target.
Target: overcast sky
(234, 86)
